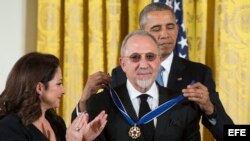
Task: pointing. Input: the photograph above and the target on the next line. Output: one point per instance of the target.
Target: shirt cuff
(212, 121)
(212, 118)
(77, 110)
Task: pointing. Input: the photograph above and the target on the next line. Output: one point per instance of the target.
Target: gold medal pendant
(134, 132)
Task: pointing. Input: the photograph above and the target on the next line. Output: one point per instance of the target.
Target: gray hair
(153, 7)
(136, 32)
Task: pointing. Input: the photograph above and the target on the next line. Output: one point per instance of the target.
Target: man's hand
(95, 82)
(199, 94)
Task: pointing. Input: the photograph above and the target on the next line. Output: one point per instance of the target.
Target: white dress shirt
(166, 64)
(153, 99)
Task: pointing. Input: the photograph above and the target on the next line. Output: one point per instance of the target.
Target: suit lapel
(176, 75)
(165, 95)
(122, 92)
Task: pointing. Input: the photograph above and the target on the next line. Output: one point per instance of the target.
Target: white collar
(167, 62)
(133, 93)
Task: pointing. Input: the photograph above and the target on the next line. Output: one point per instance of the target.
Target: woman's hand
(81, 130)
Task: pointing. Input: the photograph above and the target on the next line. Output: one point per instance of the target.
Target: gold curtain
(232, 53)
(218, 34)
(197, 22)
(86, 36)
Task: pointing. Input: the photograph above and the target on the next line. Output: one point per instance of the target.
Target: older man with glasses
(141, 109)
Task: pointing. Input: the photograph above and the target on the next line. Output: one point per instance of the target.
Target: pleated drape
(86, 35)
(218, 34)
(232, 55)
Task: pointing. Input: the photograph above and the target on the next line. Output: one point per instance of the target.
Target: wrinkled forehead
(156, 16)
(140, 44)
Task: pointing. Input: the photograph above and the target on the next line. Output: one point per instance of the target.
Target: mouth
(144, 75)
(144, 72)
(165, 44)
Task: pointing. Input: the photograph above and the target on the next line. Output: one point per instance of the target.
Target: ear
(40, 88)
(122, 64)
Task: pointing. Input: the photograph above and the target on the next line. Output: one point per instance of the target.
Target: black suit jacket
(180, 123)
(182, 73)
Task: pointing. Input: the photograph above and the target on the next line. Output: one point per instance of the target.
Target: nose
(143, 63)
(164, 34)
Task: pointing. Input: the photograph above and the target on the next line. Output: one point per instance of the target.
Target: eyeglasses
(136, 57)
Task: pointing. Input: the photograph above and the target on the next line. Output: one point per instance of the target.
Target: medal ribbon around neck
(147, 117)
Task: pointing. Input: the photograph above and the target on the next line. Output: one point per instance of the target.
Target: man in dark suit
(159, 20)
(140, 60)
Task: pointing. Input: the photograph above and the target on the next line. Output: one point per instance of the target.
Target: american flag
(181, 47)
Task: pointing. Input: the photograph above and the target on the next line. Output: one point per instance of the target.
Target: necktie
(147, 129)
(159, 78)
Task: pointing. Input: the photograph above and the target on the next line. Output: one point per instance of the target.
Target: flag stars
(183, 27)
(176, 6)
(182, 55)
(183, 42)
(182, 45)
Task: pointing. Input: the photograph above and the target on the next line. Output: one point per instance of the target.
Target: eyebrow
(171, 24)
(155, 26)
(168, 24)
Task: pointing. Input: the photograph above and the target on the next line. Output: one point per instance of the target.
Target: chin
(144, 84)
(166, 50)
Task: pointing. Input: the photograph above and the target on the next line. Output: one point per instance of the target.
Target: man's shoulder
(105, 93)
(192, 64)
(118, 88)
(117, 68)
(167, 90)
(118, 76)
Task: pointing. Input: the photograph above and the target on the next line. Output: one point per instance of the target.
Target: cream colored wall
(17, 33)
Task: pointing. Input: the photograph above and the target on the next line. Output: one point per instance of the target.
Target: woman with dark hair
(33, 89)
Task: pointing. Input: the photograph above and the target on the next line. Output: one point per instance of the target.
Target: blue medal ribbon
(147, 117)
